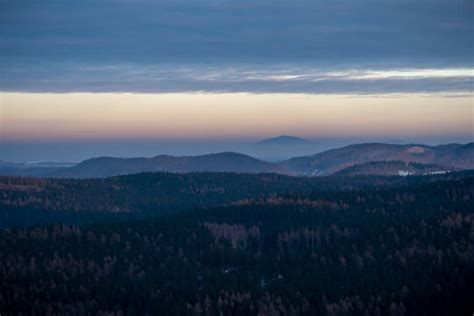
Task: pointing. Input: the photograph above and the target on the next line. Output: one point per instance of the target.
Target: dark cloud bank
(163, 46)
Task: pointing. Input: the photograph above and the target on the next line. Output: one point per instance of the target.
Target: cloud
(209, 30)
(236, 78)
(229, 45)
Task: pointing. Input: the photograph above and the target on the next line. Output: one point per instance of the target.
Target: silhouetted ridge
(217, 162)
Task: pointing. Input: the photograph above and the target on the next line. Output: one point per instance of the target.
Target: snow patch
(404, 173)
(416, 150)
(436, 172)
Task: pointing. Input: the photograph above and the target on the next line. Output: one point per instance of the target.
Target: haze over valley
(362, 159)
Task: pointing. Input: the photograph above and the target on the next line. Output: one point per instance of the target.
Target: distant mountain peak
(284, 140)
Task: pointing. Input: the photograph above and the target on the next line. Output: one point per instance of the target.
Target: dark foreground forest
(404, 249)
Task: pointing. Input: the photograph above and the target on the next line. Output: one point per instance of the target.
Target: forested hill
(393, 168)
(26, 201)
(219, 162)
(397, 250)
(447, 157)
(389, 159)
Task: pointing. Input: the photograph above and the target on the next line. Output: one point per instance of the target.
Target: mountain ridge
(331, 161)
(215, 162)
(447, 157)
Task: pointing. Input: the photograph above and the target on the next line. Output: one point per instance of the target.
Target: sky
(134, 78)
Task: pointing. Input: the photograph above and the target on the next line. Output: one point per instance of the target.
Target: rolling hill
(452, 156)
(393, 168)
(220, 162)
(370, 159)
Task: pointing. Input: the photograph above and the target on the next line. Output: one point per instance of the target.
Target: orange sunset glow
(200, 115)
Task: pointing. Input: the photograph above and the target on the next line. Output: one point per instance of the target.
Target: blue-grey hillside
(447, 157)
(358, 159)
(220, 162)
